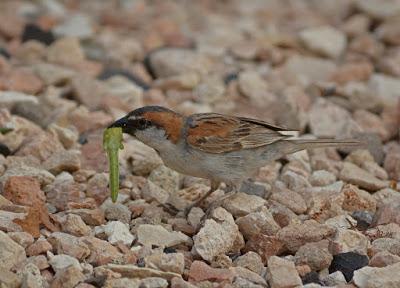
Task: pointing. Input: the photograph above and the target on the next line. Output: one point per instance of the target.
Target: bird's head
(152, 125)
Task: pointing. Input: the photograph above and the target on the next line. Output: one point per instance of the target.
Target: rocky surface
(317, 218)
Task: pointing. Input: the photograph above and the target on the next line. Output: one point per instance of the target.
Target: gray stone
(157, 235)
(11, 253)
(372, 277)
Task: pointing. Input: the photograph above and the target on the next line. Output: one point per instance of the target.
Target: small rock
(378, 9)
(363, 218)
(151, 192)
(386, 88)
(171, 262)
(282, 273)
(65, 51)
(265, 246)
(52, 74)
(315, 255)
(132, 271)
(255, 223)
(349, 241)
(251, 261)
(62, 191)
(386, 244)
(322, 178)
(41, 246)
(255, 88)
(173, 61)
(101, 252)
(291, 200)
(11, 254)
(31, 276)
(359, 177)
(347, 263)
(154, 282)
(68, 277)
(77, 25)
(217, 236)
(248, 275)
(92, 217)
(9, 279)
(296, 235)
(242, 204)
(116, 211)
(9, 99)
(373, 277)
(330, 120)
(22, 238)
(200, 271)
(371, 123)
(325, 40)
(116, 231)
(157, 235)
(68, 244)
(195, 215)
(165, 178)
(333, 279)
(74, 225)
(383, 259)
(356, 199)
(62, 261)
(309, 69)
(68, 160)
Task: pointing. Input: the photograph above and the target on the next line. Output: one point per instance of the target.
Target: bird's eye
(143, 123)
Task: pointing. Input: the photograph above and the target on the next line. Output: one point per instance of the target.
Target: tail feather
(300, 144)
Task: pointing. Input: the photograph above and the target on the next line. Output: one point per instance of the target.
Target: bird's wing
(215, 133)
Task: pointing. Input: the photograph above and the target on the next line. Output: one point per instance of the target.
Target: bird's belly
(229, 167)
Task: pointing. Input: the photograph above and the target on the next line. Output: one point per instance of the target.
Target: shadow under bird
(213, 146)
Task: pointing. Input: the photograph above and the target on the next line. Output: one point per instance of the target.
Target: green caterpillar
(112, 142)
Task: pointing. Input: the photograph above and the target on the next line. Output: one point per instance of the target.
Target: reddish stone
(93, 155)
(353, 72)
(200, 271)
(23, 190)
(265, 246)
(60, 194)
(39, 247)
(21, 80)
(102, 252)
(41, 146)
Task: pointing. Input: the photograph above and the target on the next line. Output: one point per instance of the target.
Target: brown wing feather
(215, 133)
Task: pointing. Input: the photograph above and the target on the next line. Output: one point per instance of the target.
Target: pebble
(116, 231)
(347, 263)
(200, 271)
(242, 204)
(282, 273)
(350, 241)
(74, 225)
(41, 246)
(356, 199)
(68, 277)
(291, 200)
(100, 252)
(265, 246)
(157, 235)
(171, 262)
(361, 178)
(31, 276)
(77, 25)
(11, 254)
(173, 61)
(324, 40)
(322, 178)
(296, 235)
(217, 236)
(62, 261)
(377, 277)
(255, 223)
(315, 255)
(64, 243)
(251, 261)
(8, 99)
(383, 259)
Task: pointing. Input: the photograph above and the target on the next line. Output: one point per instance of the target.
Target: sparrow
(220, 148)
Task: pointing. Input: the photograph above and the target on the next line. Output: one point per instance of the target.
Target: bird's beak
(123, 122)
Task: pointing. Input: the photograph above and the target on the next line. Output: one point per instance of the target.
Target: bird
(220, 148)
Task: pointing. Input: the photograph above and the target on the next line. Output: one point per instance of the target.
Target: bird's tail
(300, 144)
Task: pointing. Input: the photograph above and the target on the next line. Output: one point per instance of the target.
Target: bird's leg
(214, 186)
(229, 192)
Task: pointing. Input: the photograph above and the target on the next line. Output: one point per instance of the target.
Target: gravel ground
(314, 219)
